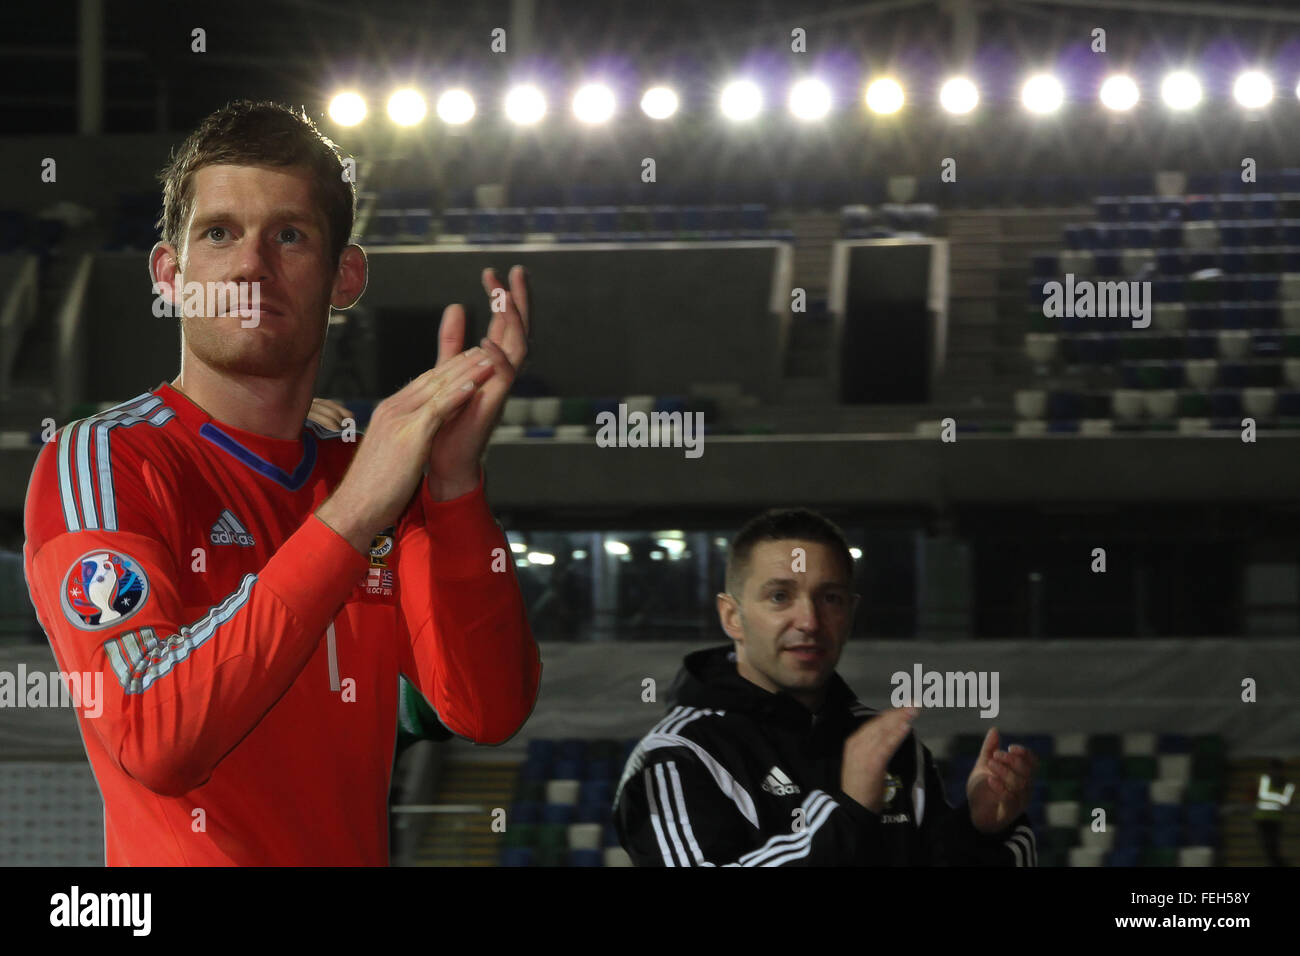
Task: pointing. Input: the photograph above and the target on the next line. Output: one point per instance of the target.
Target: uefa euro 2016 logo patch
(102, 589)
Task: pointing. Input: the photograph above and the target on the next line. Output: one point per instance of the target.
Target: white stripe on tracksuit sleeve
(677, 843)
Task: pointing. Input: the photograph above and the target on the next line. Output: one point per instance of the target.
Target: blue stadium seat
(1232, 375)
(1232, 206)
(1171, 262)
(513, 223)
(535, 769)
(545, 219)
(1123, 856)
(611, 836)
(1165, 814)
(1167, 290)
(1097, 791)
(1225, 403)
(455, 221)
(485, 226)
(1169, 208)
(601, 769)
(1200, 814)
(1174, 744)
(586, 858)
(1133, 793)
(1142, 209)
(1234, 259)
(1167, 235)
(516, 856)
(1110, 209)
(1062, 405)
(604, 221)
(419, 221)
(753, 220)
(542, 749)
(1165, 836)
(1262, 206)
(1139, 237)
(1263, 233)
(571, 224)
(591, 813)
(1265, 344)
(557, 813)
(1233, 233)
(1106, 263)
(525, 811)
(385, 227)
(1104, 769)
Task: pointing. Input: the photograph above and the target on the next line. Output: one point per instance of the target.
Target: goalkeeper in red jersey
(252, 585)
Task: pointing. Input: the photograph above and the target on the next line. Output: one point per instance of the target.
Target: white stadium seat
(1259, 402)
(1031, 403)
(1161, 403)
(1202, 373)
(1127, 404)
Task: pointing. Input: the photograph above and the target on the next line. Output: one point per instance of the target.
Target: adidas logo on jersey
(228, 530)
(779, 784)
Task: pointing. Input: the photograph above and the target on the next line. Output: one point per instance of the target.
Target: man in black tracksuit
(768, 759)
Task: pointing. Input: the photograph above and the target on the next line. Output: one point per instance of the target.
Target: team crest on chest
(102, 589)
(892, 783)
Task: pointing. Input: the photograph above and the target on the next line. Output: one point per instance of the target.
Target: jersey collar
(288, 463)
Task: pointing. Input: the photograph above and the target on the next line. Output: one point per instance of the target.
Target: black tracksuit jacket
(737, 776)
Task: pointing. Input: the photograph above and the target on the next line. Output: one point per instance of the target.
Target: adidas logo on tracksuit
(779, 784)
(228, 530)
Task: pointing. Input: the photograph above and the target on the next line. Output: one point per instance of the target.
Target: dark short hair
(247, 133)
(783, 524)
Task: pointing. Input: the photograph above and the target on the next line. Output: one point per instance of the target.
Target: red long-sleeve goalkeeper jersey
(250, 655)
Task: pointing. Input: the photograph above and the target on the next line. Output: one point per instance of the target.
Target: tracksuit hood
(709, 679)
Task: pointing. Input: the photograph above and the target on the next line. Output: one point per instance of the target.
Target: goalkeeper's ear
(350, 277)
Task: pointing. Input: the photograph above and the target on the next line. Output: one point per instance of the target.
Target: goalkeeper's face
(792, 618)
(261, 231)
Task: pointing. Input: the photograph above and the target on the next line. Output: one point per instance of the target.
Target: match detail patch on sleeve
(102, 589)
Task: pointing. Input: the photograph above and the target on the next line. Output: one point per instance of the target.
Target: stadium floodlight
(518, 547)
(1042, 94)
(659, 102)
(959, 95)
(540, 557)
(617, 547)
(407, 107)
(593, 103)
(884, 95)
(1297, 90)
(1180, 90)
(856, 553)
(525, 104)
(455, 107)
(741, 100)
(347, 109)
(579, 555)
(674, 546)
(1119, 93)
(1253, 90)
(810, 99)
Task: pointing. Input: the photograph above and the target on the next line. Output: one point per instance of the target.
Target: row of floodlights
(809, 99)
(670, 544)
